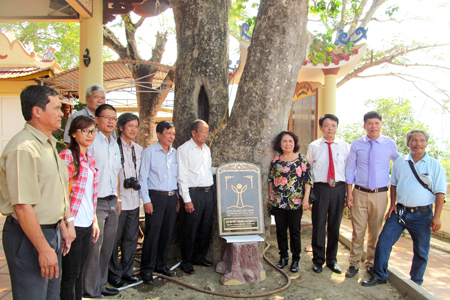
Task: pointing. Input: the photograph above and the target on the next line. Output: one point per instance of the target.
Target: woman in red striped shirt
(83, 188)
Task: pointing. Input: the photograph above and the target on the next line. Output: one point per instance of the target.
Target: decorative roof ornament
(230, 65)
(244, 29)
(49, 54)
(344, 39)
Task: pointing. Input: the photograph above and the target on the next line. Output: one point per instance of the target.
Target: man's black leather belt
(416, 208)
(327, 184)
(12, 220)
(108, 198)
(201, 188)
(379, 190)
(163, 193)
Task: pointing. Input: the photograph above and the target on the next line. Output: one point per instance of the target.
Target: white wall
(11, 119)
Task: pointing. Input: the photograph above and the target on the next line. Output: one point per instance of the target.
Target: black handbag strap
(418, 178)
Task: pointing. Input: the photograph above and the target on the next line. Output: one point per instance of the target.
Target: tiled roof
(16, 72)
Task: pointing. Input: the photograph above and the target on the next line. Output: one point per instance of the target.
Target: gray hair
(410, 133)
(94, 88)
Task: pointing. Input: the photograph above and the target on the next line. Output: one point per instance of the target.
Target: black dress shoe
(317, 268)
(204, 263)
(117, 283)
(294, 266)
(188, 270)
(373, 281)
(131, 279)
(147, 278)
(110, 292)
(283, 261)
(351, 272)
(166, 272)
(335, 268)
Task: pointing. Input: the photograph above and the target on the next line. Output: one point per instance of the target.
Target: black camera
(132, 183)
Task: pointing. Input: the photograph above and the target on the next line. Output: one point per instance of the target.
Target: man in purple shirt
(368, 169)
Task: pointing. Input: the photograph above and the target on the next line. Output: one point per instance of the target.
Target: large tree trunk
(201, 90)
(266, 90)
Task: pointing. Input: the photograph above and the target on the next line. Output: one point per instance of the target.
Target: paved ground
(437, 276)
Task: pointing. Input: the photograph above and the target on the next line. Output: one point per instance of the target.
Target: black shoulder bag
(418, 178)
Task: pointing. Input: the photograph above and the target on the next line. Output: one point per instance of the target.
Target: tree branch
(375, 5)
(388, 57)
(355, 21)
(391, 20)
(419, 65)
(111, 41)
(342, 22)
(139, 23)
(130, 32)
(401, 76)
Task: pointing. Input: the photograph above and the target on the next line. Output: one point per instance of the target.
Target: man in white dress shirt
(195, 180)
(328, 157)
(107, 160)
(121, 270)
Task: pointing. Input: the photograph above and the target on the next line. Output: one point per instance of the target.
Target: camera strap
(122, 160)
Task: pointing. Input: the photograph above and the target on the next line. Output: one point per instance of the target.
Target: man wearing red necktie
(328, 157)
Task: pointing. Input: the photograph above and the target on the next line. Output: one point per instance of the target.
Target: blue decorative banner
(344, 39)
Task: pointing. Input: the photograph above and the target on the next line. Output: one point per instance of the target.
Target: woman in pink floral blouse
(289, 184)
(83, 200)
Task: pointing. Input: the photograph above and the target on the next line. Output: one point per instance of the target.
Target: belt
(415, 209)
(163, 193)
(379, 190)
(12, 220)
(201, 188)
(327, 184)
(108, 198)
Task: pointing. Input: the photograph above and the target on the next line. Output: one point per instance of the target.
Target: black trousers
(328, 208)
(197, 226)
(291, 219)
(23, 262)
(73, 265)
(158, 232)
(126, 239)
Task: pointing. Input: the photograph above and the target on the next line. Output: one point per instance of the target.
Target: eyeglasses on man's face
(114, 119)
(87, 132)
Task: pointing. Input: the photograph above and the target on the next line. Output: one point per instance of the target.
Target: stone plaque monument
(239, 199)
(241, 219)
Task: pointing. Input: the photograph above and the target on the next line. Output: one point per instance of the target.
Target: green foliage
(240, 13)
(398, 119)
(63, 36)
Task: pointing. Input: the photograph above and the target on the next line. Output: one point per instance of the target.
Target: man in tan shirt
(34, 197)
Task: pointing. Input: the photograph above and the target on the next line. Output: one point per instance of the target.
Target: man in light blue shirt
(368, 169)
(411, 208)
(158, 180)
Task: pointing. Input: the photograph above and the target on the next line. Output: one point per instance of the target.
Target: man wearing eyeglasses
(195, 180)
(95, 96)
(121, 270)
(107, 160)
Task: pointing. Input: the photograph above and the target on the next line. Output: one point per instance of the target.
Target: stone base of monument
(241, 264)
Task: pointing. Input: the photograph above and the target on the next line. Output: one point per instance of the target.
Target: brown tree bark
(265, 93)
(201, 91)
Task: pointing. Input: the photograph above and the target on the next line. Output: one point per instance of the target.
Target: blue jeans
(418, 226)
